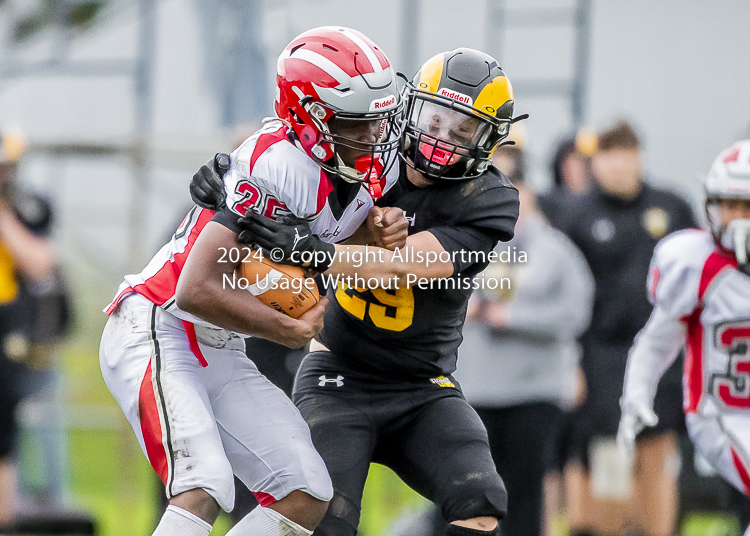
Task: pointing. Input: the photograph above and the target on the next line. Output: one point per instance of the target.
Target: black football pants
(422, 429)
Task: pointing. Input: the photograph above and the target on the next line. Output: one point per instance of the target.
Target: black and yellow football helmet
(459, 106)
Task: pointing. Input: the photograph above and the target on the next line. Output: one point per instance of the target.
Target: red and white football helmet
(335, 72)
(729, 178)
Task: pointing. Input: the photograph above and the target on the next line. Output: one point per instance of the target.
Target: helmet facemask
(736, 237)
(728, 182)
(447, 139)
(733, 235)
(713, 216)
(363, 145)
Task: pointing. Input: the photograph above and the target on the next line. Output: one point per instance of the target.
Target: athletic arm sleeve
(655, 349)
(228, 219)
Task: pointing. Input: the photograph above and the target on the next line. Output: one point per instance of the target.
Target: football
(285, 288)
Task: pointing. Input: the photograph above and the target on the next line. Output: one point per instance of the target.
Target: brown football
(285, 288)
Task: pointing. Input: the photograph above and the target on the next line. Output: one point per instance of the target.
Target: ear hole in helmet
(307, 136)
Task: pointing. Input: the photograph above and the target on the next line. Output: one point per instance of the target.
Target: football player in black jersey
(378, 385)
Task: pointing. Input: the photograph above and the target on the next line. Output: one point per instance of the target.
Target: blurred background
(118, 102)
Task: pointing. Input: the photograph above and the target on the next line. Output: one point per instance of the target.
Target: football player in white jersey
(172, 352)
(379, 388)
(699, 283)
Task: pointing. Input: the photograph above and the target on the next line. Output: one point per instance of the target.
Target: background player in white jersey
(172, 353)
(699, 284)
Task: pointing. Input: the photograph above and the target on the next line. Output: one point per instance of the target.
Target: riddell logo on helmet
(382, 104)
(455, 95)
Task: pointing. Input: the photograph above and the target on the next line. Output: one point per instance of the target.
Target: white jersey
(269, 175)
(702, 302)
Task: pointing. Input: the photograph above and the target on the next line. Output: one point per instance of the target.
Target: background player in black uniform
(616, 225)
(379, 389)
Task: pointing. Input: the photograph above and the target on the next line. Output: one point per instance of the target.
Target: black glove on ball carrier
(287, 241)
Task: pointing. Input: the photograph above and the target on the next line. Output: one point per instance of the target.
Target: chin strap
(372, 169)
(368, 170)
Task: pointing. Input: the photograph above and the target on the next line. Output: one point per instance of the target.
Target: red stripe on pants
(148, 414)
(193, 341)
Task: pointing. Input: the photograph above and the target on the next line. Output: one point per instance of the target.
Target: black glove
(287, 241)
(207, 186)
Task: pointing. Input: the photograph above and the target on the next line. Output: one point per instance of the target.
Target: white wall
(680, 69)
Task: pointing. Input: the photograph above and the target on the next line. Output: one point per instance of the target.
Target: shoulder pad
(497, 176)
(489, 203)
(674, 276)
(271, 176)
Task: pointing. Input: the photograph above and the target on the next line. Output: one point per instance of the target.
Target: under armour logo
(297, 238)
(338, 380)
(412, 220)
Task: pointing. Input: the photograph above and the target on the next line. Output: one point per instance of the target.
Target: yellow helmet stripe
(494, 95)
(431, 74)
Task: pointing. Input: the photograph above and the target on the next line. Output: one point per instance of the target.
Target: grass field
(113, 480)
(109, 477)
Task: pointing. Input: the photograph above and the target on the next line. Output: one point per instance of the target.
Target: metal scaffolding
(501, 18)
(139, 69)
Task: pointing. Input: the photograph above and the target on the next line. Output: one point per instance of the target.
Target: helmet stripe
(494, 95)
(364, 47)
(431, 74)
(321, 62)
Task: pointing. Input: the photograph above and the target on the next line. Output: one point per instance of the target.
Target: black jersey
(618, 237)
(410, 332)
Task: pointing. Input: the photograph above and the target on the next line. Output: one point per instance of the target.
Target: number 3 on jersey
(387, 309)
(733, 388)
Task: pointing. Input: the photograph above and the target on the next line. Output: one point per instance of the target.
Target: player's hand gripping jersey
(416, 331)
(271, 175)
(702, 301)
